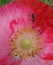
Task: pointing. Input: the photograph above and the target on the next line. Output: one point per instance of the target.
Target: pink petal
(11, 60)
(15, 11)
(34, 61)
(9, 15)
(47, 38)
(47, 52)
(50, 62)
(4, 44)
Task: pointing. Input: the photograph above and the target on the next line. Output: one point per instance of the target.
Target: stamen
(25, 43)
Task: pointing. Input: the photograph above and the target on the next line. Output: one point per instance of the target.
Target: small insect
(33, 17)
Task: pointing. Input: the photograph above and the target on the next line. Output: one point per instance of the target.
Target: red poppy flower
(26, 33)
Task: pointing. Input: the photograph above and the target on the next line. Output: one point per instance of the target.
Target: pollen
(25, 43)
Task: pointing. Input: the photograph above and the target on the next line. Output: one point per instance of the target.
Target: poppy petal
(47, 51)
(34, 61)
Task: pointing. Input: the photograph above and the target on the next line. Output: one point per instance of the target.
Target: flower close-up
(26, 33)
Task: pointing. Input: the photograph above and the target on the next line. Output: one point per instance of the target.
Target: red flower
(26, 33)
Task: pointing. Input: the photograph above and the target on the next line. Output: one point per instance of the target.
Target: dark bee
(33, 17)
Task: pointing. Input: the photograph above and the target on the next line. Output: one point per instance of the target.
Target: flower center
(25, 43)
